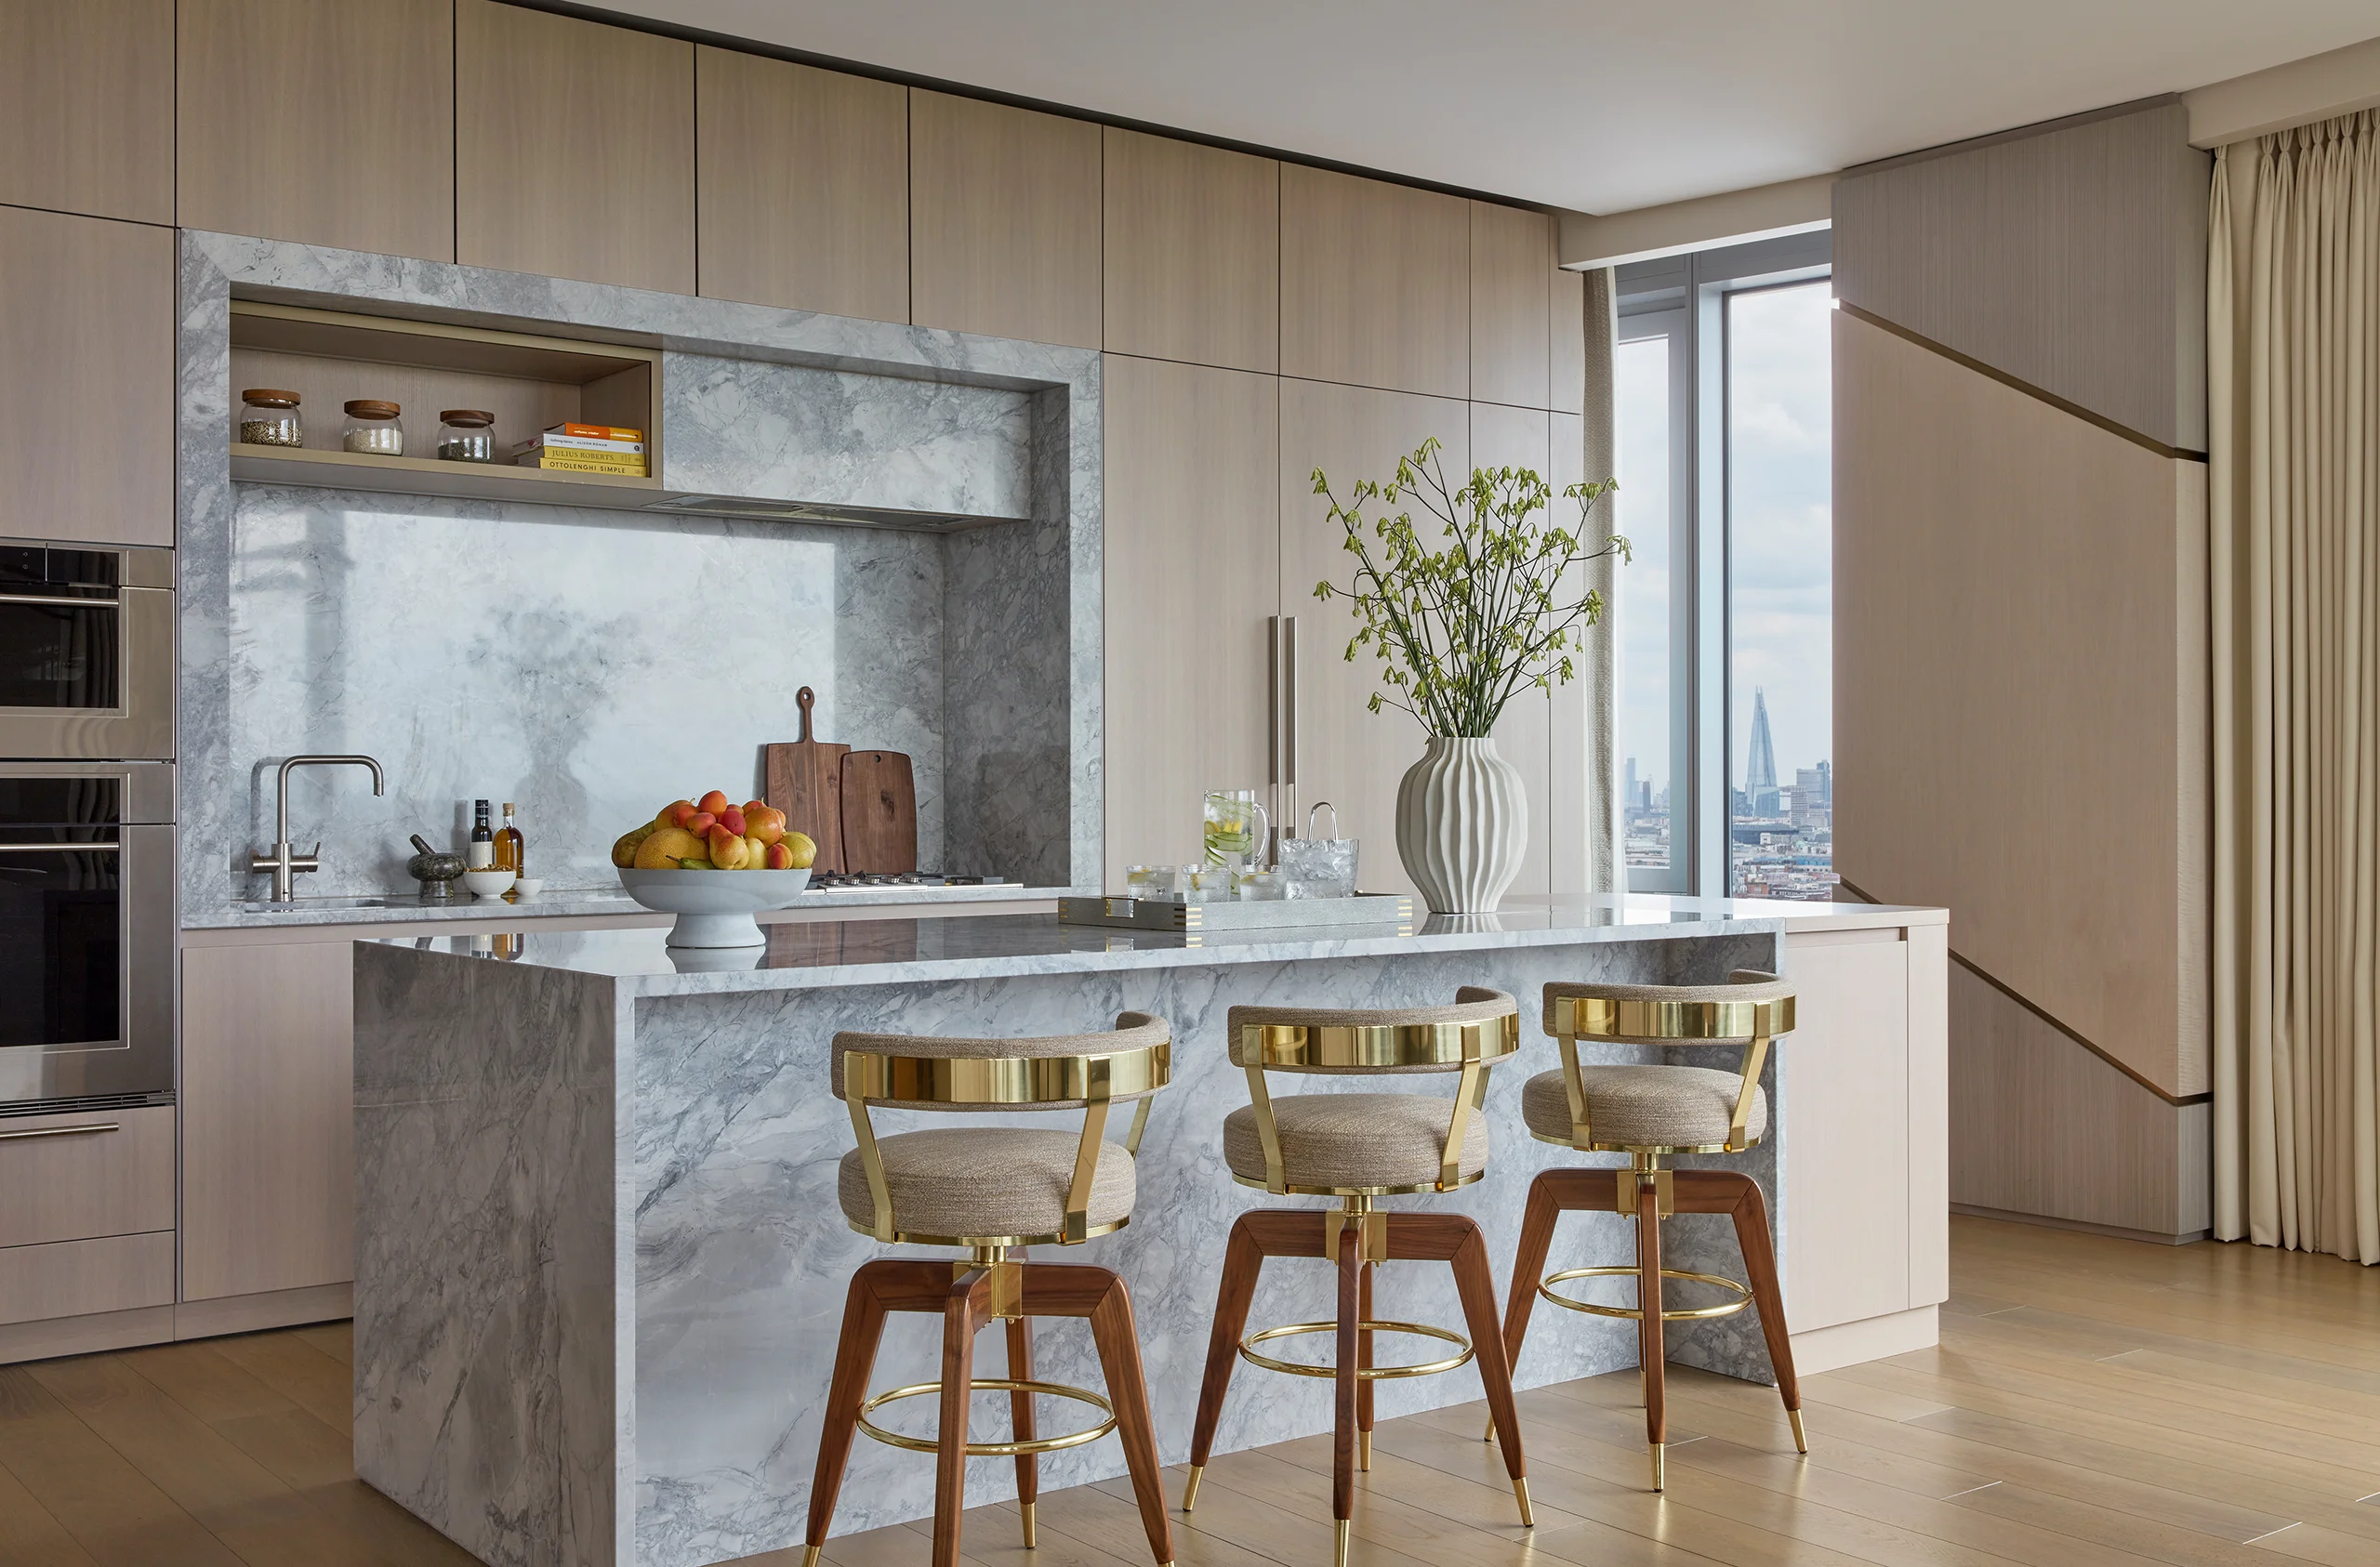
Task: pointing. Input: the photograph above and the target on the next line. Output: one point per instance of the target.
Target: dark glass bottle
(482, 854)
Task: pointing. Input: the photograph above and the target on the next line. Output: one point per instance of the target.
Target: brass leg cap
(1029, 1539)
(1800, 1437)
(1490, 1434)
(1364, 1450)
(1339, 1532)
(1520, 1494)
(1189, 1489)
(1661, 1480)
(809, 1555)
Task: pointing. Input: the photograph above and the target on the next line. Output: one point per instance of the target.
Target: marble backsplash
(590, 666)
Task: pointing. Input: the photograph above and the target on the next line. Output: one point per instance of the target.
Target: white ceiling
(1596, 105)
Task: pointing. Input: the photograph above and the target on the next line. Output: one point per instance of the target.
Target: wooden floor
(2094, 1402)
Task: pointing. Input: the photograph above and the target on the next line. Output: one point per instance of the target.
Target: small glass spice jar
(372, 427)
(466, 435)
(269, 418)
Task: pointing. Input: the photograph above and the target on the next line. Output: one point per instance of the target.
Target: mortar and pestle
(437, 872)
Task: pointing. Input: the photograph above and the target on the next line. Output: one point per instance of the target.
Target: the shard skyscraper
(1759, 773)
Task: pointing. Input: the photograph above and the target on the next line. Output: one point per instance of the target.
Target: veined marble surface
(576, 903)
(591, 664)
(601, 1265)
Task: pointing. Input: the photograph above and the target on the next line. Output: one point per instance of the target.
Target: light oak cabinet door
(1512, 299)
(1004, 225)
(805, 183)
(1346, 753)
(1193, 252)
(1375, 283)
(268, 1118)
(575, 149)
(1191, 580)
(86, 107)
(1847, 1098)
(1569, 350)
(87, 399)
(85, 1174)
(331, 122)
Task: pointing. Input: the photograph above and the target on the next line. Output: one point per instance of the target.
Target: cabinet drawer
(70, 1178)
(75, 1278)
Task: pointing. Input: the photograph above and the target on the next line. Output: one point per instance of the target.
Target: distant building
(1759, 776)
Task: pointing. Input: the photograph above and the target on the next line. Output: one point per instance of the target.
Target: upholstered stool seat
(1353, 1142)
(965, 1181)
(1357, 1147)
(1644, 1106)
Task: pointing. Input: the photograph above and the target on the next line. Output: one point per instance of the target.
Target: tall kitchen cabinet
(330, 121)
(86, 107)
(1004, 220)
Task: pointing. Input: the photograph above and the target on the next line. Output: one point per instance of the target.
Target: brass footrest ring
(1695, 1313)
(991, 1449)
(1369, 1374)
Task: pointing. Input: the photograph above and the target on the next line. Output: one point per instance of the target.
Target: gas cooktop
(877, 881)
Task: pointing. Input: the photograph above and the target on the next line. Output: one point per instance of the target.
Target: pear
(728, 850)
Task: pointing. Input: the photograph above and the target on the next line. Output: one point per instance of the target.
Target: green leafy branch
(1469, 615)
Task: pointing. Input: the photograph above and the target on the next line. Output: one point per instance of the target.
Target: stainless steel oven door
(86, 930)
(87, 652)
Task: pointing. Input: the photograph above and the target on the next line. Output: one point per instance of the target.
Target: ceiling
(1596, 105)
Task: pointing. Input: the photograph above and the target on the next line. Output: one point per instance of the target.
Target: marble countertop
(569, 902)
(895, 951)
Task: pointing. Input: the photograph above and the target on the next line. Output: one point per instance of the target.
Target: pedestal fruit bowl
(714, 865)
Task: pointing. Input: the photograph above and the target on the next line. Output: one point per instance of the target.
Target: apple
(713, 802)
(733, 819)
(767, 824)
(728, 850)
(780, 857)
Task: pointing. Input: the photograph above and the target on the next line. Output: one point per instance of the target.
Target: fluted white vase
(1461, 825)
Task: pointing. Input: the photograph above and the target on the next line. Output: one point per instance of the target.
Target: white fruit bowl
(714, 908)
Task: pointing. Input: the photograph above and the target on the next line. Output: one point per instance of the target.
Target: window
(1722, 384)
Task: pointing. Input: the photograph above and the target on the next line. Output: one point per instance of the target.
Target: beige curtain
(2293, 405)
(1600, 669)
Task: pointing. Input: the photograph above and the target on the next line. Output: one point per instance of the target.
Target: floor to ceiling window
(1724, 396)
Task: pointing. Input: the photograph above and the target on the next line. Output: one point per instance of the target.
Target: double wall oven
(87, 835)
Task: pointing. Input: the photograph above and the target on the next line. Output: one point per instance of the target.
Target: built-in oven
(87, 651)
(87, 934)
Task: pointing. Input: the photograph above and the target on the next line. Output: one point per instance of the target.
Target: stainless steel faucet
(283, 864)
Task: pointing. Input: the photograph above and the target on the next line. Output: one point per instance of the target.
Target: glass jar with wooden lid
(466, 435)
(269, 418)
(371, 427)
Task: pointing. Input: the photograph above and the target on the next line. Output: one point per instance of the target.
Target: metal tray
(1385, 909)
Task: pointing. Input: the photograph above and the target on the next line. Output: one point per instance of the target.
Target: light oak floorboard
(2093, 1401)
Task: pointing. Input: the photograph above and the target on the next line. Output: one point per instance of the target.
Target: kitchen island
(600, 1265)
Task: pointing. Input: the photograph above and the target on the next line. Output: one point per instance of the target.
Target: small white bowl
(527, 888)
(488, 884)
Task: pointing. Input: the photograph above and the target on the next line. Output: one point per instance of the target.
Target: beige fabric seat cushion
(1354, 1140)
(985, 1180)
(1644, 1106)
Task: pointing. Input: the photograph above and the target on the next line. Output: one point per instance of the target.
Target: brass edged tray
(1385, 909)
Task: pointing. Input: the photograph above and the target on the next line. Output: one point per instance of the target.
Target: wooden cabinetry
(1375, 283)
(326, 121)
(1193, 576)
(86, 107)
(573, 149)
(82, 1174)
(804, 182)
(1512, 298)
(1519, 438)
(268, 1118)
(86, 405)
(1567, 351)
(1004, 220)
(1346, 753)
(1193, 252)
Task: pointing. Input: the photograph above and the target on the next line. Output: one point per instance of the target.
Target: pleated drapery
(2294, 407)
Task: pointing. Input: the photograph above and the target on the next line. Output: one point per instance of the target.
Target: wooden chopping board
(804, 779)
(879, 814)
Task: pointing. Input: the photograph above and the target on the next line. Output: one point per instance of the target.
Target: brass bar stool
(1357, 1147)
(990, 1188)
(1646, 1112)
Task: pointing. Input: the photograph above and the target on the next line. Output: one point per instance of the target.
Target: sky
(1780, 450)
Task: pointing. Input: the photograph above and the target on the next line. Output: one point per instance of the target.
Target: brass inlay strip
(2006, 379)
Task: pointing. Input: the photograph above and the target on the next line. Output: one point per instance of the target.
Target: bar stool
(1357, 1147)
(1646, 1112)
(991, 1189)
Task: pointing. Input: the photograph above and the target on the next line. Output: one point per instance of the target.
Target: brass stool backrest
(1482, 1028)
(1086, 1071)
(1671, 1015)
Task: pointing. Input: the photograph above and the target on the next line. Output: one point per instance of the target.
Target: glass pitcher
(1237, 827)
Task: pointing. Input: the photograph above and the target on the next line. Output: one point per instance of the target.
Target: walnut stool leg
(854, 1358)
(1476, 1284)
(1243, 1259)
(1120, 1357)
(1342, 1446)
(1760, 1268)
(959, 1324)
(1650, 1349)
(1363, 1385)
(1528, 1269)
(1019, 1405)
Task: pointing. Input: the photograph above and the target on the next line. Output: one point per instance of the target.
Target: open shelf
(528, 382)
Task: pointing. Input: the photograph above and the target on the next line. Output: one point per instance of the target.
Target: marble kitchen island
(600, 1266)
